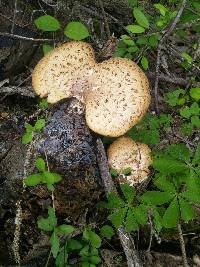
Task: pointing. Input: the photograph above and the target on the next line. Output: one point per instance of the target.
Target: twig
(167, 33)
(182, 243)
(20, 37)
(14, 17)
(166, 78)
(125, 238)
(105, 19)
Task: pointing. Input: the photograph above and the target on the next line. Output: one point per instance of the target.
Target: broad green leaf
(91, 236)
(95, 260)
(145, 63)
(133, 3)
(65, 229)
(84, 251)
(43, 104)
(40, 164)
(163, 184)
(127, 171)
(140, 213)
(179, 151)
(117, 218)
(51, 178)
(193, 196)
(76, 31)
(153, 40)
(50, 222)
(29, 127)
(73, 244)
(107, 231)
(113, 172)
(193, 181)
(157, 220)
(135, 28)
(47, 23)
(132, 49)
(27, 138)
(127, 40)
(172, 98)
(163, 10)
(195, 120)
(140, 18)
(114, 201)
(33, 179)
(46, 48)
(171, 216)
(55, 244)
(187, 211)
(61, 259)
(156, 197)
(195, 93)
(196, 159)
(128, 191)
(187, 112)
(168, 165)
(130, 221)
(186, 129)
(39, 125)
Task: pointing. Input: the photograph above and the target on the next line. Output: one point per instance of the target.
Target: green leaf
(114, 201)
(127, 40)
(107, 231)
(50, 222)
(117, 218)
(153, 40)
(195, 120)
(156, 197)
(135, 28)
(127, 171)
(33, 179)
(95, 260)
(145, 63)
(186, 129)
(128, 191)
(47, 23)
(51, 178)
(179, 151)
(163, 184)
(84, 251)
(65, 229)
(46, 48)
(171, 216)
(76, 31)
(193, 196)
(187, 211)
(133, 3)
(113, 172)
(40, 164)
(140, 213)
(187, 57)
(196, 159)
(29, 127)
(43, 104)
(27, 138)
(140, 18)
(187, 112)
(130, 222)
(168, 165)
(39, 125)
(61, 259)
(157, 220)
(163, 10)
(55, 244)
(91, 236)
(195, 93)
(172, 98)
(73, 244)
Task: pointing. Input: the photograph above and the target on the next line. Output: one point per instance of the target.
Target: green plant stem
(46, 265)
(182, 244)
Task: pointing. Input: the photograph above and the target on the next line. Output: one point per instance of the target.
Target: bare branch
(15, 36)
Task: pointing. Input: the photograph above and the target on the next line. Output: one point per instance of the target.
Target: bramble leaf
(140, 213)
(114, 201)
(156, 197)
(107, 231)
(128, 191)
(179, 151)
(195, 93)
(76, 31)
(163, 184)
(196, 159)
(187, 211)
(140, 18)
(92, 237)
(130, 221)
(171, 216)
(117, 217)
(65, 229)
(193, 196)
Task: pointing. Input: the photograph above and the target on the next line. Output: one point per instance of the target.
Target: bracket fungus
(125, 153)
(115, 92)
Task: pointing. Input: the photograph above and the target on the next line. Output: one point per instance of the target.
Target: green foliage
(47, 23)
(31, 130)
(107, 231)
(46, 48)
(76, 31)
(44, 176)
(43, 104)
(140, 18)
(148, 130)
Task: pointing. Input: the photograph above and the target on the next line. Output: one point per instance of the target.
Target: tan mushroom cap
(125, 153)
(119, 97)
(63, 72)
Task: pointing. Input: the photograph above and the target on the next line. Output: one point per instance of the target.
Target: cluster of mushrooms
(115, 95)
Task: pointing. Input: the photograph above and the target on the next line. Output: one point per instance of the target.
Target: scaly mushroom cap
(119, 97)
(115, 92)
(125, 153)
(63, 72)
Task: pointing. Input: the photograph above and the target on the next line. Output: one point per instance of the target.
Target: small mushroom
(115, 92)
(124, 153)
